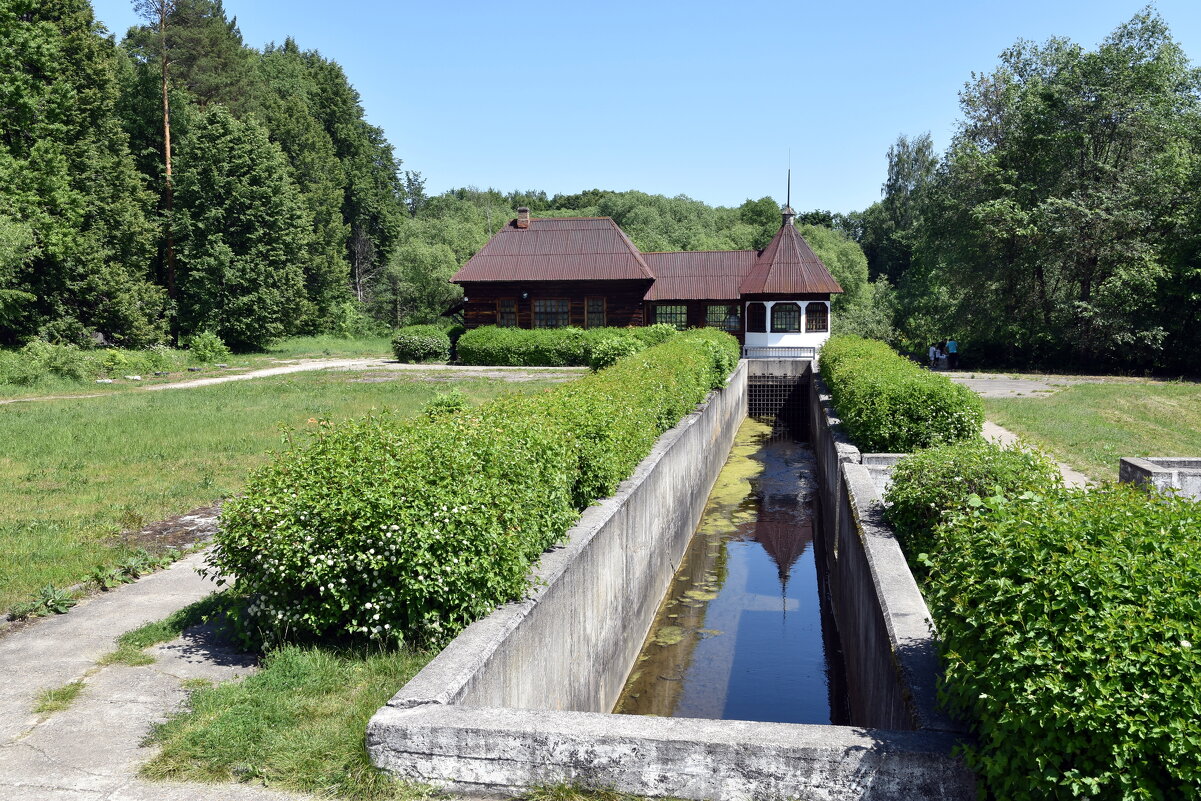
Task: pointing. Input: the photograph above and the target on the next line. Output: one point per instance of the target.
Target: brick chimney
(523, 217)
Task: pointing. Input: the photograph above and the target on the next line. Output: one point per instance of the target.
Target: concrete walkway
(92, 750)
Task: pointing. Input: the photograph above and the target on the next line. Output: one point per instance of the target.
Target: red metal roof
(557, 249)
(698, 274)
(596, 249)
(788, 266)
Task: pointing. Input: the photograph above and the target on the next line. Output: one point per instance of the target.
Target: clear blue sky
(704, 99)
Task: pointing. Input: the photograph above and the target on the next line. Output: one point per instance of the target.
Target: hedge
(889, 404)
(1070, 625)
(555, 347)
(421, 343)
(931, 484)
(410, 530)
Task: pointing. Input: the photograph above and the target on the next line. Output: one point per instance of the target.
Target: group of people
(944, 355)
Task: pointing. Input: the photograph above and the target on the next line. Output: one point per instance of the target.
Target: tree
(243, 234)
(76, 211)
(844, 259)
(1052, 227)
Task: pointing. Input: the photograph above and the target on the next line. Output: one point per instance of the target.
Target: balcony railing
(778, 352)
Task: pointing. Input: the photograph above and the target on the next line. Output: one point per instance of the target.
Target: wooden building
(585, 272)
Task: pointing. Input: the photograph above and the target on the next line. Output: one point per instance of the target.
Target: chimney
(523, 217)
(787, 214)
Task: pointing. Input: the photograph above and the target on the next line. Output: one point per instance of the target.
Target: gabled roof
(698, 274)
(557, 249)
(788, 265)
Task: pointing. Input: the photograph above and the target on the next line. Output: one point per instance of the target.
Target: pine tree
(243, 234)
(67, 178)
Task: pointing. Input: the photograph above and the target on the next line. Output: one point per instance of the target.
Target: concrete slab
(94, 748)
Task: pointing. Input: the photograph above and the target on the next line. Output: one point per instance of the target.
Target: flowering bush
(412, 529)
(889, 404)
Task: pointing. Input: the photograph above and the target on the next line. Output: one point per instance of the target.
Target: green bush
(412, 529)
(1071, 634)
(206, 347)
(889, 404)
(421, 343)
(550, 347)
(16, 369)
(65, 361)
(931, 484)
(451, 402)
(606, 352)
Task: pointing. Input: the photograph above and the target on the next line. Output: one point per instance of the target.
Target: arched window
(756, 318)
(785, 318)
(817, 317)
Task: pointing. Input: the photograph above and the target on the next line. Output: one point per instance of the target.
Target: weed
(127, 655)
(57, 699)
(52, 599)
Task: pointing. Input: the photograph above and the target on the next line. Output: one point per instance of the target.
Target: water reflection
(739, 635)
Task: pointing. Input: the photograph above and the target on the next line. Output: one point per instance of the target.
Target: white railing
(778, 352)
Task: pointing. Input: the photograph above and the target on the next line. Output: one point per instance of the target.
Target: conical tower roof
(788, 266)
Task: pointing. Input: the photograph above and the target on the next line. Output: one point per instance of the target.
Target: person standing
(933, 356)
(952, 354)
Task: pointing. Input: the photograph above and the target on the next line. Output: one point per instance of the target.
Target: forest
(171, 180)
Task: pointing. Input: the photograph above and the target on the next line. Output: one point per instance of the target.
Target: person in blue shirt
(952, 354)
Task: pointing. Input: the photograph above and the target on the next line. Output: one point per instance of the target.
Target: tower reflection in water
(742, 633)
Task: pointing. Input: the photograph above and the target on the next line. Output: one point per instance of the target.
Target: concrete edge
(847, 450)
(445, 678)
(911, 631)
(490, 749)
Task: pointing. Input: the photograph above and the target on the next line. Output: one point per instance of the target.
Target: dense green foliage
(1062, 226)
(889, 404)
(1070, 637)
(421, 343)
(934, 483)
(412, 530)
(539, 347)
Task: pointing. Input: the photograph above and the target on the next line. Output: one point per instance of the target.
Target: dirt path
(452, 372)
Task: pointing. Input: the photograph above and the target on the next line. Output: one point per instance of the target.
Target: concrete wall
(571, 644)
(885, 627)
(1163, 473)
(521, 698)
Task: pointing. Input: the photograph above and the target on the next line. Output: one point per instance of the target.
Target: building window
(672, 315)
(724, 316)
(817, 317)
(552, 313)
(756, 318)
(594, 313)
(785, 318)
(506, 312)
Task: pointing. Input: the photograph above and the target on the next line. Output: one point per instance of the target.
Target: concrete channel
(524, 696)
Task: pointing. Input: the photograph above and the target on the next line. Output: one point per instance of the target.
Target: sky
(713, 100)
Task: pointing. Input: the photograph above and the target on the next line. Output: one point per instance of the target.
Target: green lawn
(297, 724)
(315, 347)
(1091, 426)
(74, 474)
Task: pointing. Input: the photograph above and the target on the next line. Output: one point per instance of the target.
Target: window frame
(779, 308)
(825, 317)
(604, 311)
(564, 314)
(762, 309)
(682, 313)
(500, 313)
(731, 310)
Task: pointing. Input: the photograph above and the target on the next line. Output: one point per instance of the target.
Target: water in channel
(742, 633)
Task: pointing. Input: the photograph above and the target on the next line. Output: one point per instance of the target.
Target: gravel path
(93, 749)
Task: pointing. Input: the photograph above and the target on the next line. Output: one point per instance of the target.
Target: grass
(315, 347)
(74, 474)
(1091, 426)
(56, 699)
(297, 724)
